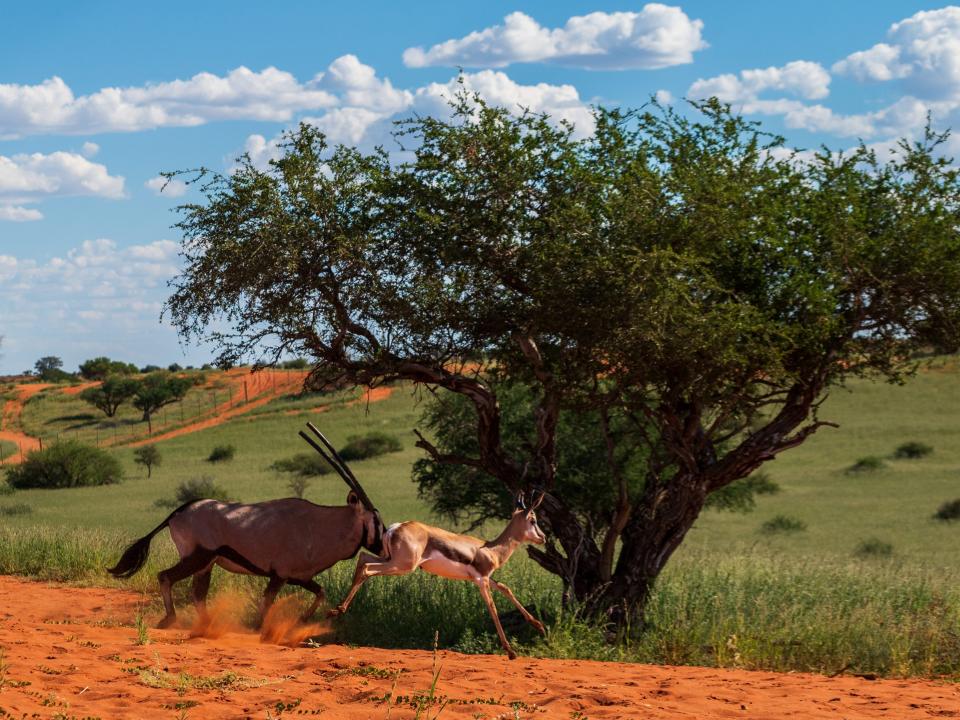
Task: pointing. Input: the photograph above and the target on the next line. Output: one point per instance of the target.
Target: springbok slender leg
(483, 584)
(196, 561)
(318, 596)
(523, 611)
(368, 568)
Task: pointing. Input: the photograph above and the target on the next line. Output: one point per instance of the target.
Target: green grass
(827, 599)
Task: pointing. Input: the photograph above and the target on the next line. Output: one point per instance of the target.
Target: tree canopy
(677, 293)
(109, 395)
(157, 390)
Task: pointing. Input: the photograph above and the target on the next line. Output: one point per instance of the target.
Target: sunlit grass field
(734, 595)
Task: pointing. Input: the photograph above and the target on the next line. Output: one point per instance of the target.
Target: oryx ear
(521, 501)
(352, 498)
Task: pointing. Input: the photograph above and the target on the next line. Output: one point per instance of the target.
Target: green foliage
(221, 453)
(48, 369)
(198, 489)
(303, 464)
(867, 464)
(66, 464)
(99, 368)
(874, 547)
(783, 524)
(6, 488)
(370, 445)
(159, 389)
(740, 495)
(111, 393)
(295, 364)
(298, 484)
(149, 456)
(949, 511)
(912, 451)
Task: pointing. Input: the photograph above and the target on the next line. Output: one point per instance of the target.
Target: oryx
(288, 541)
(411, 545)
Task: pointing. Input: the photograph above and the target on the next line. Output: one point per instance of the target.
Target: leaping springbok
(411, 545)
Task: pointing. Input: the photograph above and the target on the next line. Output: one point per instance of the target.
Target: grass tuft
(868, 464)
(783, 524)
(912, 451)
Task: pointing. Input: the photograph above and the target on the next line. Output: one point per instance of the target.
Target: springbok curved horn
(521, 501)
(538, 499)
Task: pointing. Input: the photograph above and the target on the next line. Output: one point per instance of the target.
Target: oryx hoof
(166, 622)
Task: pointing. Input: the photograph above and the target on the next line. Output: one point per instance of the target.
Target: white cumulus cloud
(171, 187)
(799, 78)
(28, 178)
(52, 107)
(655, 37)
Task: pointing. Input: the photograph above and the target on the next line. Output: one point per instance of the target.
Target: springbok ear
(352, 498)
(521, 501)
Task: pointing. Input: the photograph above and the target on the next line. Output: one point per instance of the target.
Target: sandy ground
(72, 653)
(12, 410)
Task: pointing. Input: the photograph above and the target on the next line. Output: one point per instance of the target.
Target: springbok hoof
(511, 654)
(539, 626)
(335, 612)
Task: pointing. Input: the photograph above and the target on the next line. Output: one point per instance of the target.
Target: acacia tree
(109, 395)
(157, 390)
(677, 285)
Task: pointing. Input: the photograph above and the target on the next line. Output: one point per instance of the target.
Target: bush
(740, 495)
(195, 489)
(303, 464)
(5, 488)
(866, 464)
(950, 510)
(912, 451)
(221, 453)
(783, 524)
(295, 364)
(17, 509)
(369, 445)
(873, 548)
(148, 456)
(66, 464)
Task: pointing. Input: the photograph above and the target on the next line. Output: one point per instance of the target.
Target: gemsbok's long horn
(341, 466)
(346, 478)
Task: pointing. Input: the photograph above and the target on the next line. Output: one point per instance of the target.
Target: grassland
(734, 595)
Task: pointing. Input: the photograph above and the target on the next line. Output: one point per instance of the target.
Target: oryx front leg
(523, 611)
(318, 596)
(367, 567)
(483, 584)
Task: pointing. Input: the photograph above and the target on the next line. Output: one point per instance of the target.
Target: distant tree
(98, 368)
(148, 456)
(174, 367)
(111, 393)
(150, 368)
(48, 368)
(157, 390)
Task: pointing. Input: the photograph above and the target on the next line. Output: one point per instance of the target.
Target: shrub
(17, 509)
(148, 456)
(740, 495)
(303, 464)
(5, 488)
(950, 510)
(866, 464)
(370, 445)
(783, 524)
(873, 548)
(66, 464)
(912, 451)
(221, 453)
(298, 485)
(295, 364)
(198, 489)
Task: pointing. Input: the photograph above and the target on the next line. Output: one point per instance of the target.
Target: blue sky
(97, 98)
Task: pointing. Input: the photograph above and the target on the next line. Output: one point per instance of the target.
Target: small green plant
(64, 464)
(140, 623)
(874, 547)
(949, 511)
(16, 509)
(221, 453)
(912, 451)
(298, 485)
(6, 488)
(148, 456)
(867, 464)
(783, 524)
(361, 447)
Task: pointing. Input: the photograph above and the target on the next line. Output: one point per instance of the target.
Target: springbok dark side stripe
(449, 551)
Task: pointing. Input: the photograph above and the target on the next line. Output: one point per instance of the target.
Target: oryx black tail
(135, 556)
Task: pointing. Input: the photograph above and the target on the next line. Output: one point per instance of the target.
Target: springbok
(411, 545)
(288, 541)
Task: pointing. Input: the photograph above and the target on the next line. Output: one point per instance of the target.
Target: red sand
(12, 409)
(72, 652)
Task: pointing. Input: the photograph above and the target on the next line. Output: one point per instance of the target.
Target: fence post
(41, 445)
(246, 397)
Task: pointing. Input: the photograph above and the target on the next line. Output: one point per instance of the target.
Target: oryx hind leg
(367, 567)
(193, 563)
(201, 588)
(523, 611)
(270, 594)
(318, 596)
